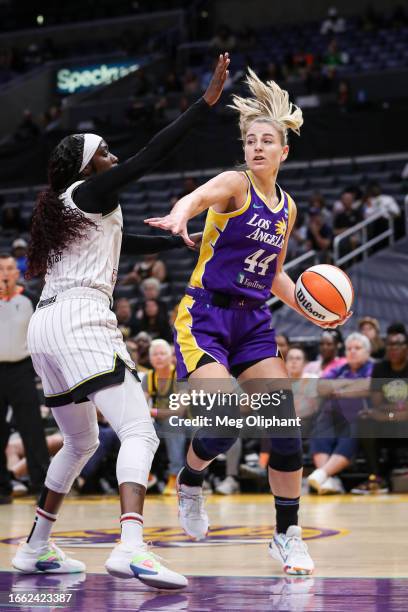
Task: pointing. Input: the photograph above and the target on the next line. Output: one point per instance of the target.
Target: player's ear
(285, 153)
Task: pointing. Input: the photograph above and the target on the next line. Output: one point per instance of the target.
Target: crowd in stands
(351, 395)
(322, 223)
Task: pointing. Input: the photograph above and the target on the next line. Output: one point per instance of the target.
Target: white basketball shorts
(76, 346)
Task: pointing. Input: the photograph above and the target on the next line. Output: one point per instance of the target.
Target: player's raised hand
(173, 223)
(214, 89)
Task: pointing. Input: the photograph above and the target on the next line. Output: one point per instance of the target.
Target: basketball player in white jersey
(76, 346)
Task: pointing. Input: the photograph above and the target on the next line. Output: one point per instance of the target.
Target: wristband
(153, 412)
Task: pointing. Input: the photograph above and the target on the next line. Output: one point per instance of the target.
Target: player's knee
(286, 454)
(208, 448)
(141, 430)
(82, 445)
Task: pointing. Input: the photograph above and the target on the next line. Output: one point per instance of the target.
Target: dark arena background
(124, 69)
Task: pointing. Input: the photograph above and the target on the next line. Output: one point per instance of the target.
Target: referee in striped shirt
(17, 385)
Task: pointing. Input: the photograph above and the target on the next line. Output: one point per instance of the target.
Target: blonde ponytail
(269, 103)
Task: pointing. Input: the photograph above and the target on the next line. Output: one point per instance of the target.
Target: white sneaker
(49, 559)
(316, 479)
(192, 515)
(291, 551)
(19, 488)
(228, 486)
(139, 562)
(331, 486)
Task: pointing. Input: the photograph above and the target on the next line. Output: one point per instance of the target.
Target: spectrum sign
(74, 79)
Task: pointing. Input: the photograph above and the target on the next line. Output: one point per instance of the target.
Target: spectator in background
(150, 267)
(333, 24)
(319, 235)
(378, 202)
(295, 361)
(17, 460)
(334, 442)
(371, 328)
(92, 479)
(155, 322)
(297, 239)
(52, 118)
(304, 390)
(385, 424)
(345, 220)
(317, 201)
(143, 342)
(19, 252)
(151, 291)
(330, 345)
(27, 129)
(127, 322)
(333, 57)
(158, 384)
(150, 288)
(17, 384)
(342, 203)
(303, 63)
(283, 344)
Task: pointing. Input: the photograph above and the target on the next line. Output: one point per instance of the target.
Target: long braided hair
(54, 226)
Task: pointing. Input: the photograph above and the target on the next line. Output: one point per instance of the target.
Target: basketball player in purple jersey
(75, 343)
(223, 325)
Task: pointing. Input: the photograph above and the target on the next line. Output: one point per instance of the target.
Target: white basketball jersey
(89, 262)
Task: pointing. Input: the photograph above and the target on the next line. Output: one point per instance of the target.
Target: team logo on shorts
(174, 537)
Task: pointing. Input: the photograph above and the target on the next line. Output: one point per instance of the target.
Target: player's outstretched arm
(98, 193)
(138, 244)
(221, 191)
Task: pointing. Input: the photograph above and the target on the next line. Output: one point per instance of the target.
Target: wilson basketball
(324, 293)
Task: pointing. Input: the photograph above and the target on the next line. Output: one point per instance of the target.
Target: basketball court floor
(360, 547)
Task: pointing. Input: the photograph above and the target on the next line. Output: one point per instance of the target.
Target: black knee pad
(286, 451)
(286, 454)
(208, 448)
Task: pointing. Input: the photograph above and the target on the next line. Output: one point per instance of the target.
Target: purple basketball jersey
(240, 249)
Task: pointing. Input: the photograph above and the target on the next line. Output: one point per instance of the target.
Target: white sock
(40, 533)
(131, 527)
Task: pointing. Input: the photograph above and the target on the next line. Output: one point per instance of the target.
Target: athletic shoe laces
(296, 545)
(192, 502)
(146, 547)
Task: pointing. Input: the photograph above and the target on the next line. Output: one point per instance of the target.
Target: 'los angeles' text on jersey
(240, 249)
